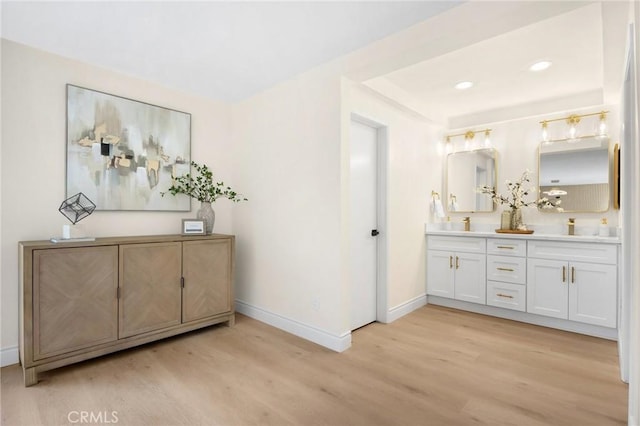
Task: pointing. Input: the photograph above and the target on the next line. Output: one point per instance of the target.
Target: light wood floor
(435, 366)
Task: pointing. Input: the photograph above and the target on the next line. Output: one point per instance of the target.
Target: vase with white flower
(517, 191)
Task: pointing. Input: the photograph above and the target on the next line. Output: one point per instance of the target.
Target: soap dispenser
(603, 229)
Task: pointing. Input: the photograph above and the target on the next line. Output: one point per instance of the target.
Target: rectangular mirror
(467, 171)
(576, 172)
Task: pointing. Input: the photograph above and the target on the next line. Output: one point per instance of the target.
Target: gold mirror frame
(578, 196)
(460, 192)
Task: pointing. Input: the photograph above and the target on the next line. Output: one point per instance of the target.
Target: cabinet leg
(30, 376)
(232, 320)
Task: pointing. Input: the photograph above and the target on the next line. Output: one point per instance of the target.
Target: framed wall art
(122, 153)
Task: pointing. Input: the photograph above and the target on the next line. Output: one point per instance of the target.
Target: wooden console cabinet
(80, 300)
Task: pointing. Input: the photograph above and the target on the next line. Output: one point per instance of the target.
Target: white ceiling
(499, 68)
(223, 50)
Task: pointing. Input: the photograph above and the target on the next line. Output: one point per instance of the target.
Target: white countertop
(488, 231)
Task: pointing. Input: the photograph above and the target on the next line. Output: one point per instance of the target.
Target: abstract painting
(123, 153)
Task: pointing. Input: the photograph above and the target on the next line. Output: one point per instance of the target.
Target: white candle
(66, 232)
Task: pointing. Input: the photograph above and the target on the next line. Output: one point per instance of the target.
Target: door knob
(374, 232)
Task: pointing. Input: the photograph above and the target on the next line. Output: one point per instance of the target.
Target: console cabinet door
(207, 268)
(150, 287)
(440, 266)
(470, 277)
(547, 292)
(592, 293)
(75, 303)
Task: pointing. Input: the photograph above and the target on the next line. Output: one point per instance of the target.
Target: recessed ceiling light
(540, 66)
(463, 85)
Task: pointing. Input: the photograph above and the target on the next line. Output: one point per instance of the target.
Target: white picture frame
(193, 227)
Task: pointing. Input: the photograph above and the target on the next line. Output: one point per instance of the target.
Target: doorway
(367, 219)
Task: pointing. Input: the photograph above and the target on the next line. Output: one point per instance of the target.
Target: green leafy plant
(202, 186)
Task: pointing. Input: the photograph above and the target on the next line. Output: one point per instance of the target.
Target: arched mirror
(467, 171)
(577, 173)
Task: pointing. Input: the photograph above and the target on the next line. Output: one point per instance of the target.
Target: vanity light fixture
(540, 66)
(448, 147)
(464, 85)
(469, 137)
(602, 130)
(572, 122)
(545, 131)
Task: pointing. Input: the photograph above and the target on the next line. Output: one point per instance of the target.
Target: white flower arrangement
(517, 192)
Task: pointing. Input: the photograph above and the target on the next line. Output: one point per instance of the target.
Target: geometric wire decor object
(77, 207)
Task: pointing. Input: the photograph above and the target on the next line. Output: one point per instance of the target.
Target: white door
(364, 189)
(440, 273)
(470, 277)
(593, 293)
(547, 292)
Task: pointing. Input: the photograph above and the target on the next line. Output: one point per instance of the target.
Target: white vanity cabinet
(457, 268)
(559, 281)
(507, 273)
(574, 281)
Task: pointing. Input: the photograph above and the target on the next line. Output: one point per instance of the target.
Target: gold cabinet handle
(505, 269)
(457, 262)
(450, 262)
(564, 274)
(504, 295)
(573, 274)
(506, 247)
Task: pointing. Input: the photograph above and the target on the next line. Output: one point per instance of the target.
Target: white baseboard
(406, 308)
(9, 356)
(566, 325)
(338, 343)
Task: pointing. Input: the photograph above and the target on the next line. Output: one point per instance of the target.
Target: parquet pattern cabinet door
(75, 303)
(150, 278)
(207, 268)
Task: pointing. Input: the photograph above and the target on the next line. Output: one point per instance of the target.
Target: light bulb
(487, 139)
(447, 146)
(603, 124)
(545, 132)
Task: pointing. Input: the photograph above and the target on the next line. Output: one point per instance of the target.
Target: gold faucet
(572, 226)
(467, 223)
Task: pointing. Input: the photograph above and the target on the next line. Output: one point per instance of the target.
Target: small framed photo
(193, 227)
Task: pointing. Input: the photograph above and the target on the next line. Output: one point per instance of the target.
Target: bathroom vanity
(564, 282)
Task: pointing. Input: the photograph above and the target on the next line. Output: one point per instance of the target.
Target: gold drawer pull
(450, 262)
(564, 274)
(504, 295)
(457, 262)
(573, 274)
(505, 269)
(507, 247)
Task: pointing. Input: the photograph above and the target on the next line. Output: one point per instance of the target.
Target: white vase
(207, 214)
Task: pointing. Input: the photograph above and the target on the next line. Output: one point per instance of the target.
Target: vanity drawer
(508, 269)
(505, 295)
(504, 247)
(584, 252)
(465, 244)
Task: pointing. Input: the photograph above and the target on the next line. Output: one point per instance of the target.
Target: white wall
(286, 144)
(33, 159)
